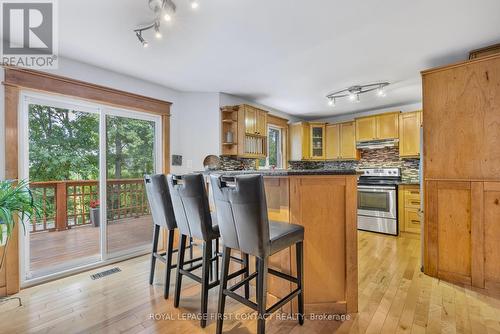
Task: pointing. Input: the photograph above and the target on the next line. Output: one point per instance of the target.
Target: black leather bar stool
(162, 212)
(240, 204)
(192, 213)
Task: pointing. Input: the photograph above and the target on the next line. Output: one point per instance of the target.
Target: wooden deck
(52, 250)
(394, 297)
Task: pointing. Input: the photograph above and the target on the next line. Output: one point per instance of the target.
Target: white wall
(350, 117)
(195, 130)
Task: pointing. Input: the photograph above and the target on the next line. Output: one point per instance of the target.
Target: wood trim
(477, 234)
(10, 273)
(431, 229)
(351, 243)
(278, 121)
(41, 81)
(459, 64)
(485, 51)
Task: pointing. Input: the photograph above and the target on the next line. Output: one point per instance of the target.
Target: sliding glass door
(130, 154)
(85, 163)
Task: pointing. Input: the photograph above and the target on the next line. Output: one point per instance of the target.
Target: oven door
(377, 201)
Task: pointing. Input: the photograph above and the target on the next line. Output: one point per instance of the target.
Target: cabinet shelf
(228, 121)
(229, 144)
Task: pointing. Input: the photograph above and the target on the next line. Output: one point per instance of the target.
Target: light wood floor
(395, 297)
(52, 249)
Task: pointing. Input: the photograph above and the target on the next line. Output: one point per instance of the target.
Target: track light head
(331, 101)
(141, 39)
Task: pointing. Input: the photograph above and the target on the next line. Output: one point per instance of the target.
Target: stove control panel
(381, 172)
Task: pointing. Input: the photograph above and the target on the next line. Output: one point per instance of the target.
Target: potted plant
(94, 212)
(16, 200)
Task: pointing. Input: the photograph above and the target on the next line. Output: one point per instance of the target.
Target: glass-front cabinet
(317, 140)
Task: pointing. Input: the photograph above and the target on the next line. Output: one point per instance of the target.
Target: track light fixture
(163, 9)
(354, 92)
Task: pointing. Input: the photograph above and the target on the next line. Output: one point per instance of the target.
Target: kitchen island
(325, 203)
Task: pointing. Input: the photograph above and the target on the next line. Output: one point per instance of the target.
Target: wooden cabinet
(461, 129)
(250, 120)
(409, 134)
(255, 121)
(261, 123)
(409, 208)
(348, 149)
(377, 127)
(332, 141)
(366, 128)
(341, 141)
(246, 126)
(317, 148)
(299, 141)
(388, 125)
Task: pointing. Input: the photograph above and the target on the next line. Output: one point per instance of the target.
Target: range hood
(375, 144)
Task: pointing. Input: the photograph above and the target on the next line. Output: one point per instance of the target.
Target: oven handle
(376, 189)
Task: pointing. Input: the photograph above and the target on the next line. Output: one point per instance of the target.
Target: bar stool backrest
(191, 208)
(159, 200)
(241, 208)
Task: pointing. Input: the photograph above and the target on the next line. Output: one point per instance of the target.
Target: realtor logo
(29, 33)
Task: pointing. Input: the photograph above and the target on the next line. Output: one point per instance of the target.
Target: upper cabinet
(388, 125)
(317, 140)
(341, 141)
(244, 131)
(409, 134)
(378, 127)
(366, 128)
(332, 141)
(255, 121)
(299, 141)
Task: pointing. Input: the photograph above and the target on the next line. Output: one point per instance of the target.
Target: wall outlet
(176, 160)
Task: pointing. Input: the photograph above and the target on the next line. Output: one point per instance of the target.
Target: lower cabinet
(462, 232)
(409, 208)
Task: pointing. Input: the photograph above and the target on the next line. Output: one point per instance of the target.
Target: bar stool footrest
(283, 301)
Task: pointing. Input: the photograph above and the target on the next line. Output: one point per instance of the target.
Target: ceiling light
(353, 93)
(162, 9)
(141, 39)
(157, 31)
(331, 102)
(381, 92)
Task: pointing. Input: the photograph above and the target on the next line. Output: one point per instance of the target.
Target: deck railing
(66, 204)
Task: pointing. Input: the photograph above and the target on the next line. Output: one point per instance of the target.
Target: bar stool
(192, 213)
(162, 213)
(241, 208)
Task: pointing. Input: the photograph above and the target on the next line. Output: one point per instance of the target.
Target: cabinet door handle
(416, 203)
(415, 221)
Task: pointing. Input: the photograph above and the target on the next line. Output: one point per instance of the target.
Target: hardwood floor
(395, 297)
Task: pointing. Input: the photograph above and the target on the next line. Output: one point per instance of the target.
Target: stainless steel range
(377, 200)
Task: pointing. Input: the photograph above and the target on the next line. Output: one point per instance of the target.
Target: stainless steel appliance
(377, 200)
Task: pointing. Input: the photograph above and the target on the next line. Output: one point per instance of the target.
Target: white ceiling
(286, 54)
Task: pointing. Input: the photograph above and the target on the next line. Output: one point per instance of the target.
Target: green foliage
(129, 149)
(64, 145)
(15, 199)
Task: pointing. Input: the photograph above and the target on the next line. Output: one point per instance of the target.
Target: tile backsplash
(385, 157)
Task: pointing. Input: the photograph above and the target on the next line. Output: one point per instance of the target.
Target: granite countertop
(285, 172)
